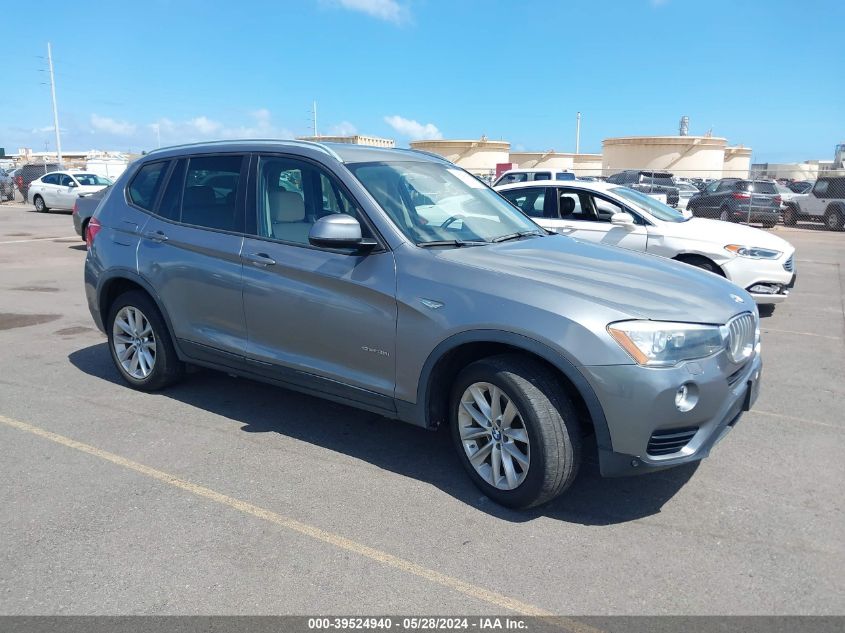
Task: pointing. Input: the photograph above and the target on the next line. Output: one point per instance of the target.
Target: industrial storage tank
(478, 157)
(684, 156)
(737, 162)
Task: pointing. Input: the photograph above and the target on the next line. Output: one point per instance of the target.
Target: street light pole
(578, 133)
(55, 107)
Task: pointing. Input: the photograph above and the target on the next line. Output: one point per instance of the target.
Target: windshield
(650, 205)
(92, 180)
(434, 202)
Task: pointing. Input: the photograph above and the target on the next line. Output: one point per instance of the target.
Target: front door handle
(261, 260)
(155, 236)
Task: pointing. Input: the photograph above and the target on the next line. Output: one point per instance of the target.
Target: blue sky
(765, 74)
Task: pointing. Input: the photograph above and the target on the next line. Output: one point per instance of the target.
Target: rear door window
(530, 201)
(210, 195)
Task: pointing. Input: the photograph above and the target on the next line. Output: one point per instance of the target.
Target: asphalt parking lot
(222, 495)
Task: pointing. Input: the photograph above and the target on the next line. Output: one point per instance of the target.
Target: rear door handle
(259, 259)
(155, 236)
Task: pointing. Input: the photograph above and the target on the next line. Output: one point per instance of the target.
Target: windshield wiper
(455, 243)
(516, 236)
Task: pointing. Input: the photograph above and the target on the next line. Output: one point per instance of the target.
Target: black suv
(738, 200)
(29, 172)
(649, 182)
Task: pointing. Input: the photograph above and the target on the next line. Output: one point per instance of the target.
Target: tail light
(75, 207)
(740, 195)
(94, 227)
(778, 200)
(19, 181)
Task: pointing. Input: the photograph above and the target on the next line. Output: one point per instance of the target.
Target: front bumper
(775, 276)
(640, 401)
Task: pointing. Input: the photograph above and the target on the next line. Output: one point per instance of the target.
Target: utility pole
(577, 133)
(55, 107)
(315, 117)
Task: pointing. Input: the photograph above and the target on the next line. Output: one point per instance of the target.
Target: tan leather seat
(287, 216)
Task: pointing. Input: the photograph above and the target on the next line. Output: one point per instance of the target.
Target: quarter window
(144, 187)
(211, 192)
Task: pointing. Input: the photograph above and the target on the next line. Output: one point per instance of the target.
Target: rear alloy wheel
(833, 220)
(726, 215)
(140, 344)
(516, 432)
(38, 201)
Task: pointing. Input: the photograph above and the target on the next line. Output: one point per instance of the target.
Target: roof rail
(422, 151)
(320, 146)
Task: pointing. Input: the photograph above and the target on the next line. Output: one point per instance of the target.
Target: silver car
(394, 281)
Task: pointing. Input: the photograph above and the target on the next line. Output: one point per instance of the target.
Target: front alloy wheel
(134, 342)
(515, 429)
(494, 436)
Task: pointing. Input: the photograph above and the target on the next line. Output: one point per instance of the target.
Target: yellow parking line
(318, 534)
(834, 338)
(42, 239)
(797, 419)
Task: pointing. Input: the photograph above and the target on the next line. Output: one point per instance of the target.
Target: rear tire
(833, 219)
(154, 363)
(790, 216)
(725, 215)
(38, 201)
(525, 436)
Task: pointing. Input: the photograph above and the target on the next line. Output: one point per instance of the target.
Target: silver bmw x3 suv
(396, 282)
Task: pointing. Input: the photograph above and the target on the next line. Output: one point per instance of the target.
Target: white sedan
(756, 260)
(60, 189)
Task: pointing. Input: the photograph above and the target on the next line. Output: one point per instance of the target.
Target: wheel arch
(688, 258)
(121, 281)
(459, 350)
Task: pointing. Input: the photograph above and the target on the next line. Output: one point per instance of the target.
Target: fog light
(686, 397)
(763, 289)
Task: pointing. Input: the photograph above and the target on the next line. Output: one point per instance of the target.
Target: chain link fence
(15, 181)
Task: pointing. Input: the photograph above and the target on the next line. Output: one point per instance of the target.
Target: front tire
(140, 343)
(38, 201)
(701, 262)
(515, 430)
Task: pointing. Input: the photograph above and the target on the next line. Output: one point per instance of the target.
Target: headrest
(285, 206)
(199, 196)
(567, 205)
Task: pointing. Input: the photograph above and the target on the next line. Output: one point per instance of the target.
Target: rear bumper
(639, 401)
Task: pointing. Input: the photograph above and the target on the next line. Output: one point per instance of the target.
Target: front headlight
(664, 344)
(753, 252)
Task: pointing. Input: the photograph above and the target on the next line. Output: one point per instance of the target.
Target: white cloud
(112, 126)
(205, 126)
(413, 129)
(202, 127)
(344, 128)
(387, 10)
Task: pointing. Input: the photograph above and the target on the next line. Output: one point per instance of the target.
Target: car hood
(722, 233)
(636, 285)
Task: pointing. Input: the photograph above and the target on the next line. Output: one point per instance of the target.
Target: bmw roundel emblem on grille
(737, 299)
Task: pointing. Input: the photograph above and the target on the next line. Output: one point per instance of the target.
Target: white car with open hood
(756, 260)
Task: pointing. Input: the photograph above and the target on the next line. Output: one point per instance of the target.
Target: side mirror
(622, 219)
(338, 231)
(72, 184)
